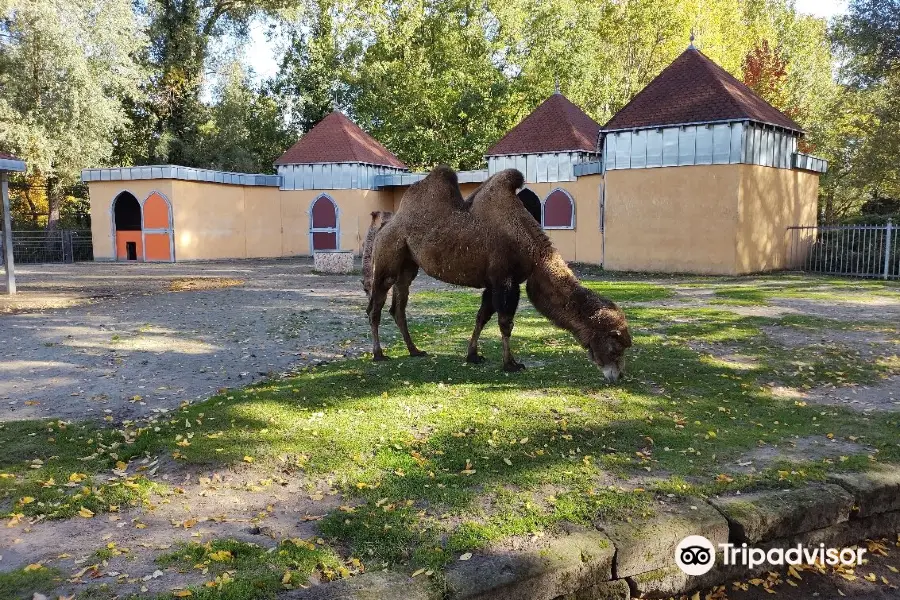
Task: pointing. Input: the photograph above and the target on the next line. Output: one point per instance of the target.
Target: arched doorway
(324, 230)
(532, 203)
(128, 238)
(159, 242)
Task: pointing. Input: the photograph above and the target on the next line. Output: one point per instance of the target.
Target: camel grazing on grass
(490, 241)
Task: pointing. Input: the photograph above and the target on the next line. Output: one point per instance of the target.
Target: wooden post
(7, 235)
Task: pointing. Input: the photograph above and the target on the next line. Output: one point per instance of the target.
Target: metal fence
(61, 246)
(852, 250)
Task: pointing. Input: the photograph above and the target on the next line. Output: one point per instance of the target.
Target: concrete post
(7, 235)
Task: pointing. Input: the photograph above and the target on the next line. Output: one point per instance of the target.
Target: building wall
(771, 200)
(354, 216)
(102, 194)
(210, 220)
(214, 221)
(584, 243)
(674, 219)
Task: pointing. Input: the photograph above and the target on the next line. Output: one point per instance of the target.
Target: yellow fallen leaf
(182, 593)
(33, 567)
(417, 572)
(287, 577)
(7, 476)
(871, 577)
(26, 500)
(121, 466)
(248, 459)
(507, 461)
(893, 569)
(793, 572)
(86, 513)
(77, 477)
(466, 556)
(220, 556)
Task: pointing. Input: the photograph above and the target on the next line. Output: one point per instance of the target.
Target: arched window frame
(336, 230)
(170, 230)
(544, 205)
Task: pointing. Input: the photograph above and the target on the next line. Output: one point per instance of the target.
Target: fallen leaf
(466, 556)
(86, 513)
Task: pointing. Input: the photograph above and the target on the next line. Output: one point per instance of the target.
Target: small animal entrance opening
(323, 224)
(531, 202)
(128, 235)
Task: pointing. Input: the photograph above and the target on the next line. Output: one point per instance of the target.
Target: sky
(262, 55)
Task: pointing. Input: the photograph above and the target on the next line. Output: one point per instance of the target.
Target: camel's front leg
(398, 306)
(376, 303)
(506, 301)
(484, 315)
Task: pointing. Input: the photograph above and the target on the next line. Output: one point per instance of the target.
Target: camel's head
(606, 335)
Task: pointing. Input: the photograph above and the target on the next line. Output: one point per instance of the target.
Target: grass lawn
(437, 457)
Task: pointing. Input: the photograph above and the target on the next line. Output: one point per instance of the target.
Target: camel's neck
(551, 289)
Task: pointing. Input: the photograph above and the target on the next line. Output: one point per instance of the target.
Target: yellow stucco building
(696, 174)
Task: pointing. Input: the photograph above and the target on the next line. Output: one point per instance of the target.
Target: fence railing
(61, 246)
(851, 250)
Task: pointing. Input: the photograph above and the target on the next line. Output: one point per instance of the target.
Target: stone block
(762, 516)
(649, 544)
(564, 565)
(874, 491)
(340, 262)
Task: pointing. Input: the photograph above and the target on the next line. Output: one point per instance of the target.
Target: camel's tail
(379, 219)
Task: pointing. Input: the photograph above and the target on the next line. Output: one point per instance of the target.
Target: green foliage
(244, 571)
(23, 584)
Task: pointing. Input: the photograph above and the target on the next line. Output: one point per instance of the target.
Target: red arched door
(324, 232)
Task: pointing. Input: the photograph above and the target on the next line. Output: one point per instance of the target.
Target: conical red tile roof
(337, 139)
(556, 125)
(694, 89)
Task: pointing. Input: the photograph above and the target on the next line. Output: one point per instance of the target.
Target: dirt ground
(93, 339)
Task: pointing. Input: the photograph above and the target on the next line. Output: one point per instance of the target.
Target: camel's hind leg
(484, 315)
(506, 301)
(399, 301)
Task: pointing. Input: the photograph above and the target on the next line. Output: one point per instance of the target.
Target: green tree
(65, 66)
(309, 81)
(180, 33)
(430, 85)
(245, 131)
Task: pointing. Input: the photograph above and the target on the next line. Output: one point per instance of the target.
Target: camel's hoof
(418, 353)
(475, 359)
(513, 367)
(380, 358)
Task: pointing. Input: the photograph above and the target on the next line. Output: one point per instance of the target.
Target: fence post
(887, 249)
(68, 250)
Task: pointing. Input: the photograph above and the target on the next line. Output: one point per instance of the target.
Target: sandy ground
(85, 340)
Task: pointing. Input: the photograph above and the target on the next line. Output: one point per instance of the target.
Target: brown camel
(488, 241)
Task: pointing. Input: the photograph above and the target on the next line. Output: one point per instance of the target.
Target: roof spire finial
(691, 46)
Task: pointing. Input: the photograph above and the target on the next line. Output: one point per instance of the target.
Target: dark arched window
(532, 203)
(127, 212)
(323, 224)
(559, 210)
